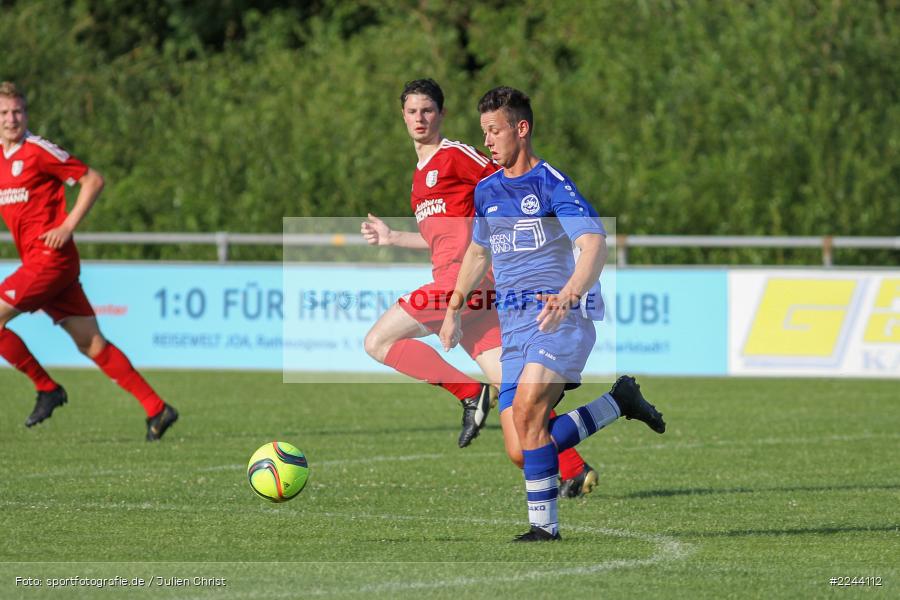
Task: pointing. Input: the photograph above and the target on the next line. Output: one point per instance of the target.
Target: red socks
(117, 367)
(570, 462)
(421, 361)
(14, 350)
(111, 361)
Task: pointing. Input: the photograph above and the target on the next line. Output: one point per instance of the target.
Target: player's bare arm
(90, 186)
(474, 267)
(588, 266)
(377, 233)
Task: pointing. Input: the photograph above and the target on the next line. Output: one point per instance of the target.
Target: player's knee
(374, 346)
(521, 421)
(83, 345)
(524, 412)
(6, 314)
(528, 420)
(91, 346)
(98, 345)
(516, 457)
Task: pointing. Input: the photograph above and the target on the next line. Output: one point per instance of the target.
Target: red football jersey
(32, 197)
(443, 186)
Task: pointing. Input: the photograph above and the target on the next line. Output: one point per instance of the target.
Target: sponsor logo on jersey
(530, 204)
(17, 167)
(492, 209)
(429, 207)
(13, 196)
(528, 234)
(501, 242)
(431, 178)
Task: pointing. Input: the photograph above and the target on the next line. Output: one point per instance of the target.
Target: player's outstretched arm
(474, 266)
(377, 233)
(588, 266)
(90, 186)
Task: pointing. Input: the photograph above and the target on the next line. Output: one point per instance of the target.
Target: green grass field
(760, 488)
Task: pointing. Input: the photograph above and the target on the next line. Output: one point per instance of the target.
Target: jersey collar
(421, 164)
(15, 148)
(540, 162)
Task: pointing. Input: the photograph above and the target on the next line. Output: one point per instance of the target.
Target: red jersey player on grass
(33, 205)
(442, 201)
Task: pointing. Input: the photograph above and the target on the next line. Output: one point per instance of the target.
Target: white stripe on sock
(604, 411)
(613, 404)
(541, 485)
(579, 423)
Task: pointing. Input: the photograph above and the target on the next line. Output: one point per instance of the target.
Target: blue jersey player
(528, 216)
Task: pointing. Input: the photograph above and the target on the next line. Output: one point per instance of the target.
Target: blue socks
(542, 464)
(569, 429)
(542, 487)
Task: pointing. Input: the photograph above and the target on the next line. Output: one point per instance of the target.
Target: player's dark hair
(426, 87)
(516, 104)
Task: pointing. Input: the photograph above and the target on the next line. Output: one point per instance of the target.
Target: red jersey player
(33, 205)
(442, 201)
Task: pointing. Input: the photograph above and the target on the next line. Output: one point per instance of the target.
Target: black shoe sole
(532, 536)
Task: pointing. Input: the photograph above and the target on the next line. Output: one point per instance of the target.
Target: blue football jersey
(529, 223)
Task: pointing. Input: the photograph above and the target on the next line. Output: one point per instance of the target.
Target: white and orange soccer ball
(278, 471)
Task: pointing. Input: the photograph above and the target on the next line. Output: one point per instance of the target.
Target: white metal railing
(826, 243)
(222, 240)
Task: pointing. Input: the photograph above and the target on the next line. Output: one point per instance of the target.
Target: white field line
(463, 454)
(666, 549)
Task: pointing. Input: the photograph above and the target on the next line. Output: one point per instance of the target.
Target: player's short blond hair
(11, 90)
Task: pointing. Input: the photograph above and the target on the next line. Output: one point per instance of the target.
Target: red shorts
(428, 305)
(54, 290)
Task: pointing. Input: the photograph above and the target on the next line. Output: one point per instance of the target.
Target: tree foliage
(677, 117)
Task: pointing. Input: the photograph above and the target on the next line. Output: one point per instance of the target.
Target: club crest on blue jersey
(530, 204)
(431, 178)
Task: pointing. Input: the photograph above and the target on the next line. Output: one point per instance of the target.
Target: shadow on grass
(798, 531)
(742, 490)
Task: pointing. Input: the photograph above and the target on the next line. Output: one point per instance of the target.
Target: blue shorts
(565, 351)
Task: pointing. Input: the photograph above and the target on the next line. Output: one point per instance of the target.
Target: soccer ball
(277, 471)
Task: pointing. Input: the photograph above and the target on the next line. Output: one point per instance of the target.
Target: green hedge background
(677, 117)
